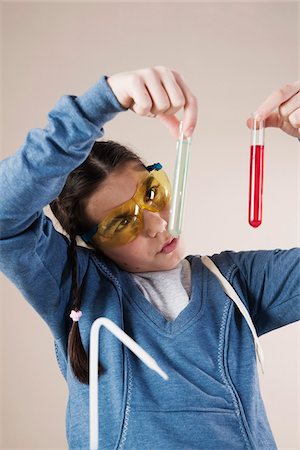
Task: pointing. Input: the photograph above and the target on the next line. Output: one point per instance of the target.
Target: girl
(134, 273)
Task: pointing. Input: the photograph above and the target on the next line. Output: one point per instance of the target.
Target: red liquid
(256, 185)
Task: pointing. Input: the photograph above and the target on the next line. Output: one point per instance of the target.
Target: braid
(68, 208)
(78, 358)
(73, 257)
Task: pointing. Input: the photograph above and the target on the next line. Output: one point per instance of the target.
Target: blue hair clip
(89, 234)
(156, 166)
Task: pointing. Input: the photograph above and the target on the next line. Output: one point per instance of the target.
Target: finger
(171, 122)
(276, 99)
(166, 94)
(157, 92)
(274, 120)
(173, 90)
(141, 100)
(190, 107)
(288, 107)
(294, 119)
(289, 129)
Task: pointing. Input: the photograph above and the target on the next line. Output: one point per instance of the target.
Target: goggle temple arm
(156, 166)
(89, 234)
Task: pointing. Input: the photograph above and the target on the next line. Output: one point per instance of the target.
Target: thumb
(276, 121)
(273, 120)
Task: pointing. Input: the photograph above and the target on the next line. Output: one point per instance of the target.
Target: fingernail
(256, 116)
(189, 132)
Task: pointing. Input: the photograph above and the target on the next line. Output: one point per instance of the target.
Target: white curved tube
(93, 369)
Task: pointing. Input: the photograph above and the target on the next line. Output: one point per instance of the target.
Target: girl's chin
(170, 260)
(160, 262)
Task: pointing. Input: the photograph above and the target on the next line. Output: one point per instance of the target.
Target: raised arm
(32, 254)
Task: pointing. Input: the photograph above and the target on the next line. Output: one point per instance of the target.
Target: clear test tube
(256, 173)
(179, 184)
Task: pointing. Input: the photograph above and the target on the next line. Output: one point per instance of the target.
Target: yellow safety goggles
(125, 222)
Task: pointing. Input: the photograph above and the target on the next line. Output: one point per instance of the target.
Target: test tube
(256, 173)
(179, 184)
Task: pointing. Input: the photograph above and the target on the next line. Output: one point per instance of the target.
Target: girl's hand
(286, 101)
(157, 92)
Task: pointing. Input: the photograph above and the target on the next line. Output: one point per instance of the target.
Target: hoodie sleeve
(271, 280)
(33, 255)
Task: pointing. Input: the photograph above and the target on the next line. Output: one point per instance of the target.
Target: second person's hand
(157, 92)
(281, 110)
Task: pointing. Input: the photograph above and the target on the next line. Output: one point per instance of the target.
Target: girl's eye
(151, 193)
(123, 223)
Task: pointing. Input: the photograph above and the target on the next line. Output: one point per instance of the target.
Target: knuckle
(176, 74)
(143, 109)
(289, 87)
(283, 111)
(178, 103)
(193, 100)
(281, 94)
(136, 79)
(294, 119)
(142, 106)
(163, 105)
(152, 71)
(162, 69)
(283, 91)
(147, 73)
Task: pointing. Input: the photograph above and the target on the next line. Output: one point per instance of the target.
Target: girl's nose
(153, 223)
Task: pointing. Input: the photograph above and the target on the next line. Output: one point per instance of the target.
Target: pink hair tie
(75, 315)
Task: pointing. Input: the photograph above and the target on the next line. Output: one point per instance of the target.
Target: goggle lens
(123, 224)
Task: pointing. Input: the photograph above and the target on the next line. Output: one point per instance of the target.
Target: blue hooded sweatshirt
(212, 399)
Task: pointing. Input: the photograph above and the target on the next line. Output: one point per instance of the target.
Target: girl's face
(144, 253)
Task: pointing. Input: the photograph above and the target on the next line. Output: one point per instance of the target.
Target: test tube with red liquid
(256, 173)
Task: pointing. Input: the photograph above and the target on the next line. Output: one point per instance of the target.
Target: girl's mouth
(168, 248)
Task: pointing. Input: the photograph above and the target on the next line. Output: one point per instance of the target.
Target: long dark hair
(68, 208)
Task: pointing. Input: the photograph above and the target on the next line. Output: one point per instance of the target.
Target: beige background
(233, 55)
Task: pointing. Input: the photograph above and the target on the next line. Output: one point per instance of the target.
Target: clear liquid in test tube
(179, 184)
(256, 173)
